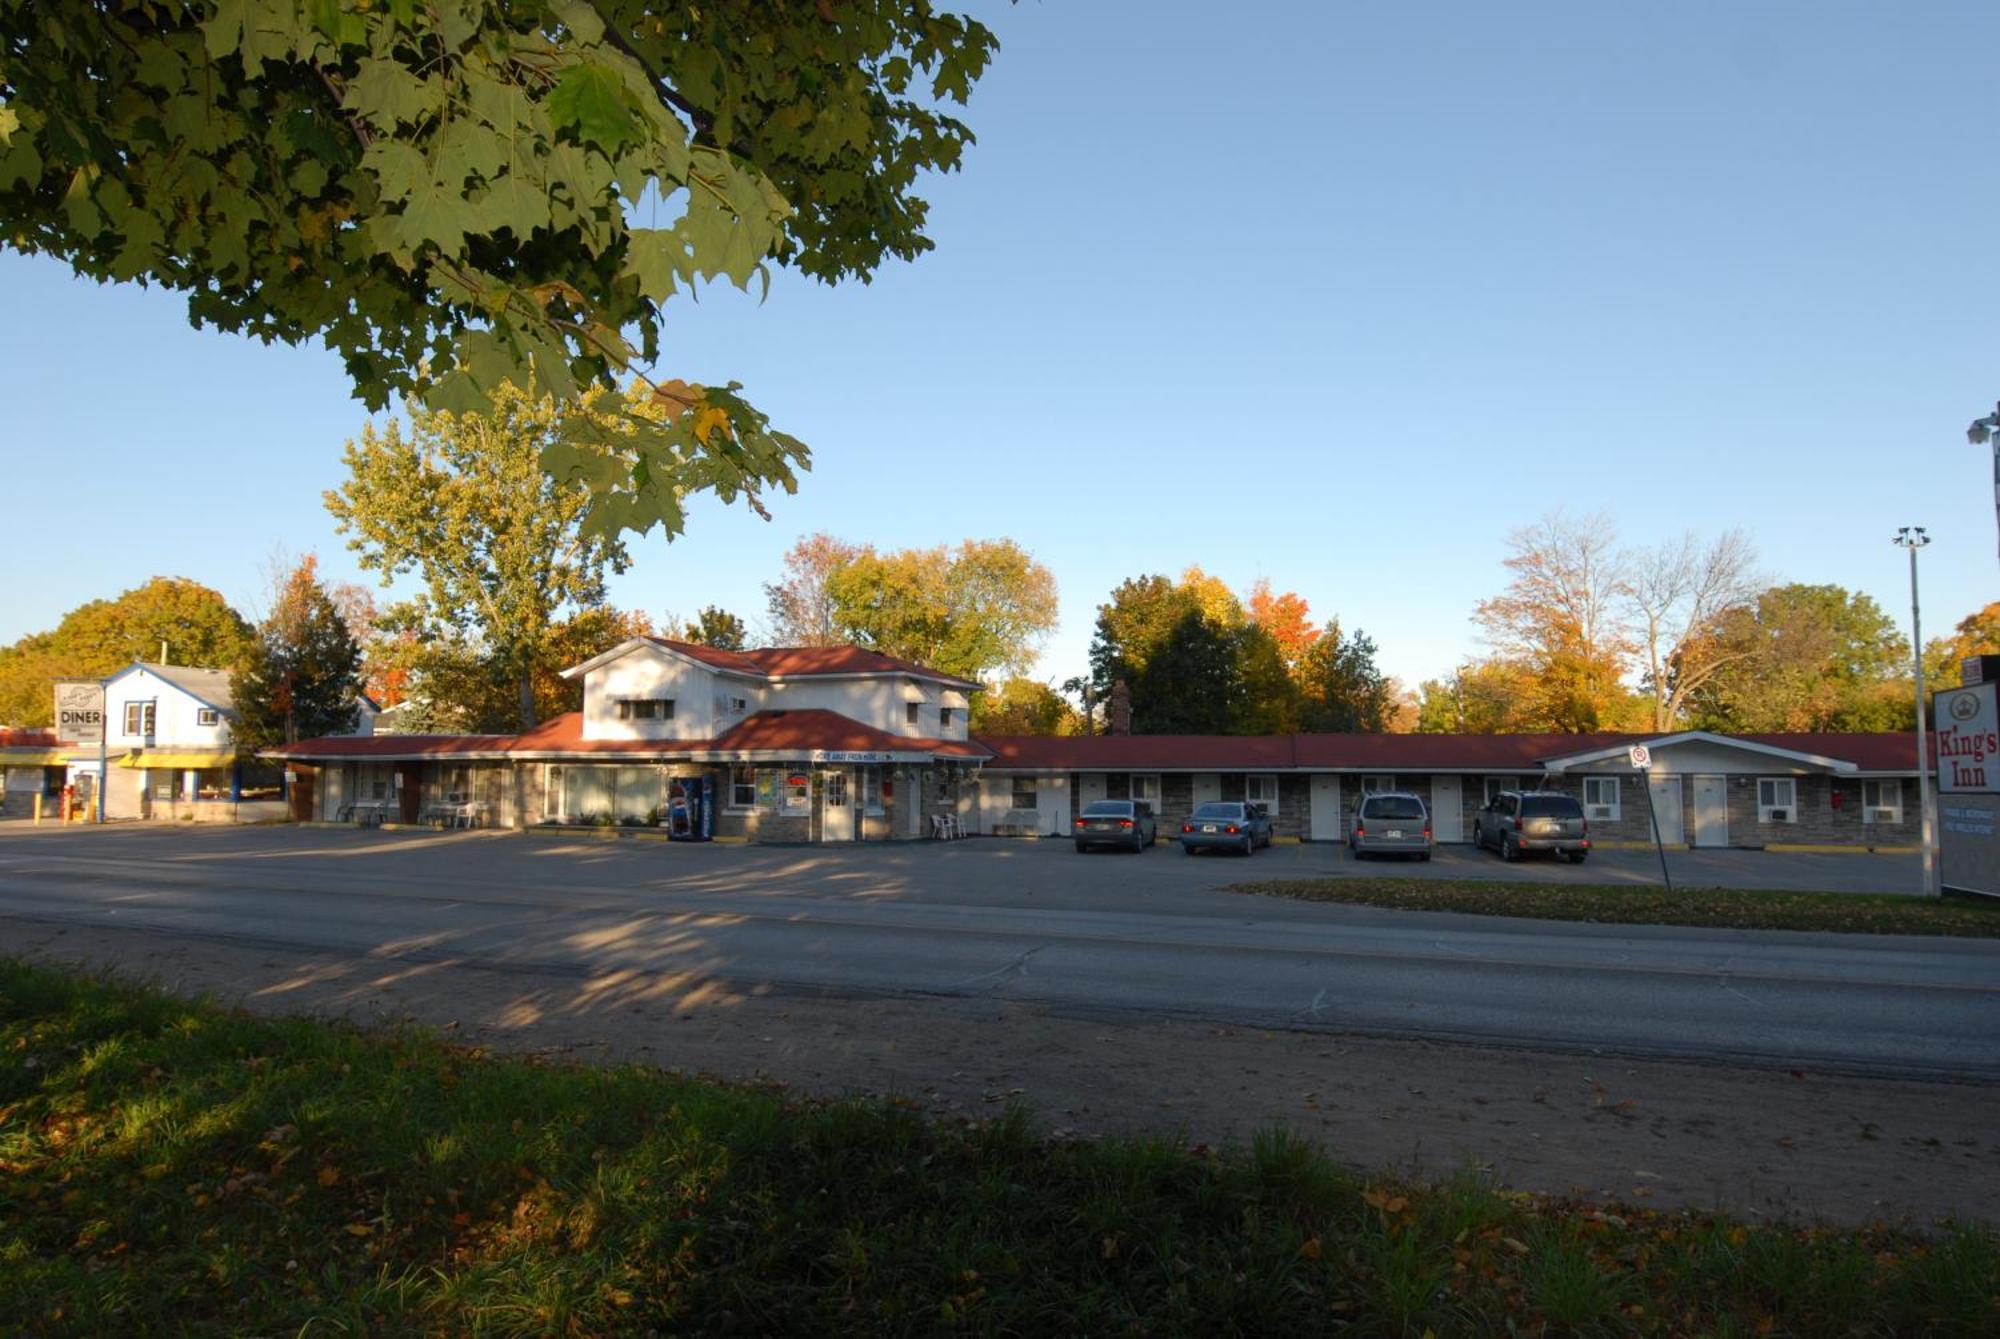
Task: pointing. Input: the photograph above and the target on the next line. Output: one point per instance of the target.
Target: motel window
(260, 781)
(1262, 788)
(207, 716)
(742, 787)
(1146, 787)
(1882, 801)
(1024, 793)
(1600, 797)
(1496, 784)
(912, 712)
(645, 709)
(456, 787)
(1777, 799)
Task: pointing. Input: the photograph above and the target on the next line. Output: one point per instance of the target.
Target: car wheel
(1508, 849)
(1577, 857)
(1424, 856)
(1186, 849)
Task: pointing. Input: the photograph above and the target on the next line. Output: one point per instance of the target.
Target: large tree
(800, 602)
(1808, 658)
(301, 677)
(1022, 706)
(1977, 634)
(981, 607)
(1680, 593)
(170, 618)
(462, 502)
(1560, 617)
(717, 627)
(1342, 689)
(457, 196)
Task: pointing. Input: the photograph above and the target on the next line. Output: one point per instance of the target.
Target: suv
(1518, 821)
(1392, 822)
(1126, 823)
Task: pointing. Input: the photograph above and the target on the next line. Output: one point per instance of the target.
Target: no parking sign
(1641, 756)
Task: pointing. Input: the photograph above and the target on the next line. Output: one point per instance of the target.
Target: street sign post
(1642, 763)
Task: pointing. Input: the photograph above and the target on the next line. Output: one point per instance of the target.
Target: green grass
(168, 1166)
(1624, 904)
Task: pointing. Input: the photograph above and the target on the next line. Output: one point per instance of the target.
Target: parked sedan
(1390, 823)
(1126, 824)
(1517, 822)
(1227, 825)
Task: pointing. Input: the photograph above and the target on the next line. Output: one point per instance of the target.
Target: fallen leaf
(1311, 1249)
(358, 1230)
(329, 1176)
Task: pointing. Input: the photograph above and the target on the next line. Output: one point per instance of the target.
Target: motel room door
(1447, 809)
(836, 819)
(1667, 806)
(1325, 807)
(1711, 811)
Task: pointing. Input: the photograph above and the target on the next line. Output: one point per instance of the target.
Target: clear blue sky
(1334, 294)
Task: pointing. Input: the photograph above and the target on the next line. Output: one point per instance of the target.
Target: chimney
(1119, 721)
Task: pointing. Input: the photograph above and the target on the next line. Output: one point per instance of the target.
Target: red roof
(799, 731)
(804, 662)
(1359, 752)
(26, 737)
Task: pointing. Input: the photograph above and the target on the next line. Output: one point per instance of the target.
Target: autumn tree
(1023, 706)
(1286, 618)
(1679, 595)
(1808, 658)
(458, 197)
(1484, 697)
(1559, 618)
(171, 618)
(1977, 634)
(801, 607)
(500, 546)
(981, 607)
(717, 627)
(301, 676)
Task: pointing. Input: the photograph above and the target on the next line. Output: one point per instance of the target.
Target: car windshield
(1109, 809)
(1219, 811)
(1549, 806)
(1393, 806)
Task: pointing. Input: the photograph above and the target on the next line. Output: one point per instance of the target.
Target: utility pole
(1912, 538)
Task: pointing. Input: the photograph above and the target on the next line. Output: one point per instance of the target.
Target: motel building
(841, 744)
(798, 744)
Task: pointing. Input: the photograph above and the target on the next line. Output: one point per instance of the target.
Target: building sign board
(79, 711)
(1969, 843)
(838, 757)
(1968, 740)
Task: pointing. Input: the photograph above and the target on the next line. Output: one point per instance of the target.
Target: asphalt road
(1148, 935)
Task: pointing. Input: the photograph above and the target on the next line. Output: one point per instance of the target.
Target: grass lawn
(174, 1166)
(1624, 904)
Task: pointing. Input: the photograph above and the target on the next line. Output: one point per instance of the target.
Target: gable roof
(210, 687)
(779, 662)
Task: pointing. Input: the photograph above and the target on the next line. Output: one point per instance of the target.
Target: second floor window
(645, 709)
(912, 712)
(138, 718)
(944, 718)
(207, 716)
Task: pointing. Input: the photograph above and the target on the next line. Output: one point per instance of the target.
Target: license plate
(1393, 832)
(1100, 827)
(1208, 827)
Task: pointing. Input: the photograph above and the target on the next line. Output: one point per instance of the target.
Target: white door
(1325, 806)
(1667, 806)
(836, 806)
(1089, 787)
(1052, 803)
(1711, 811)
(1447, 809)
(1207, 786)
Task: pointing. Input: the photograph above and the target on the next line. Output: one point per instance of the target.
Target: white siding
(176, 720)
(649, 673)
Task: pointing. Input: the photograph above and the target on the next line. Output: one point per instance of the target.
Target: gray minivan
(1516, 822)
(1390, 823)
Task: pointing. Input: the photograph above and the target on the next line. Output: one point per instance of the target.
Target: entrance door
(1207, 786)
(1711, 811)
(836, 806)
(1447, 809)
(1667, 806)
(1089, 787)
(1325, 805)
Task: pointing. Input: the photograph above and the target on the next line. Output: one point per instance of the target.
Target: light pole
(1912, 537)
(1982, 431)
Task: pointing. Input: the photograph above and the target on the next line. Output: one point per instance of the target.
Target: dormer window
(912, 712)
(944, 718)
(645, 709)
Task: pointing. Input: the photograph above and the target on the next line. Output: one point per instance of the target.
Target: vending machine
(690, 816)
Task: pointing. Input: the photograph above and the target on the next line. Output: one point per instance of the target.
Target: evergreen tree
(301, 677)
